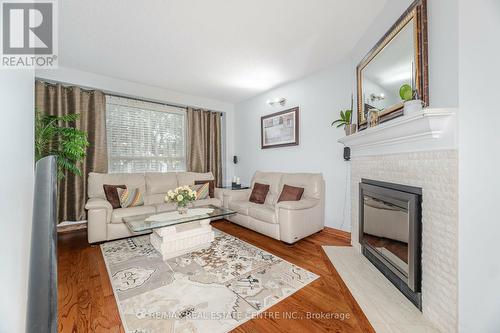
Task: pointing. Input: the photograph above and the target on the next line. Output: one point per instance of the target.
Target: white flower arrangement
(182, 196)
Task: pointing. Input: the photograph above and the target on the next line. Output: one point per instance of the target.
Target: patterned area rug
(210, 290)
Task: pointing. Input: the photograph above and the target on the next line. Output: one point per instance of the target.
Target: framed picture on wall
(280, 129)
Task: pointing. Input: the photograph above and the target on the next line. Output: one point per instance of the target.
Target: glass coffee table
(174, 234)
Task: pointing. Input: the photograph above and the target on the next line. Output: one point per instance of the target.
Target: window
(144, 137)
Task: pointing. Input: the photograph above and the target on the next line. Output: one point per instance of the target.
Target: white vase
(413, 106)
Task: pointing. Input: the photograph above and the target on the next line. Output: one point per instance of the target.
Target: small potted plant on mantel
(410, 98)
(409, 95)
(346, 121)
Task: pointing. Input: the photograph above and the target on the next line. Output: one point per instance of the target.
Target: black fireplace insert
(390, 233)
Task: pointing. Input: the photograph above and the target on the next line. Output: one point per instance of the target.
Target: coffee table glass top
(140, 223)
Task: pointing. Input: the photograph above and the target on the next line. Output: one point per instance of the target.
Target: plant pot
(350, 129)
(413, 106)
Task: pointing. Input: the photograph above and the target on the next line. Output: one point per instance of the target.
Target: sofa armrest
(238, 194)
(298, 205)
(235, 195)
(98, 203)
(219, 193)
(98, 217)
(299, 219)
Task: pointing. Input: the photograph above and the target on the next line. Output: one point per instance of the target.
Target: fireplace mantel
(427, 130)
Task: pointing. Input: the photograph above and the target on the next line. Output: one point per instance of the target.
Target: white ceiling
(227, 50)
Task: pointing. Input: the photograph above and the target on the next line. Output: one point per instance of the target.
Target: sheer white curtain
(145, 136)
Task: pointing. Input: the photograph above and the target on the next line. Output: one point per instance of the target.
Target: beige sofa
(106, 223)
(288, 221)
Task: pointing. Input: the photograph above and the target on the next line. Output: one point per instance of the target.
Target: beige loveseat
(106, 223)
(288, 221)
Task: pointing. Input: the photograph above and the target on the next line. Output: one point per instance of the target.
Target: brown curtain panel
(58, 100)
(204, 143)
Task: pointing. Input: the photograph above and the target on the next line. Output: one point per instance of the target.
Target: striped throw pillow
(201, 190)
(130, 197)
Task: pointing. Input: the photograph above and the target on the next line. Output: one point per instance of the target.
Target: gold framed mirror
(399, 57)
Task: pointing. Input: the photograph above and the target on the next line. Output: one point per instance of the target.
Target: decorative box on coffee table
(174, 234)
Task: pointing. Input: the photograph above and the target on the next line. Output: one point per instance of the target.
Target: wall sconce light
(378, 97)
(277, 101)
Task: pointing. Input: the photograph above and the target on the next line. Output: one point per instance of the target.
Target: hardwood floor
(87, 304)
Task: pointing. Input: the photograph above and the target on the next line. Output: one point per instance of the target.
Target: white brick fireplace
(419, 150)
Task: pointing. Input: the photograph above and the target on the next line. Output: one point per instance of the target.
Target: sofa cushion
(259, 193)
(273, 179)
(265, 213)
(188, 178)
(160, 182)
(154, 199)
(201, 190)
(165, 207)
(112, 194)
(208, 201)
(211, 186)
(130, 197)
(240, 206)
(118, 214)
(97, 180)
(291, 193)
(311, 182)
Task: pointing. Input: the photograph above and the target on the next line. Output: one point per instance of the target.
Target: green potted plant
(346, 121)
(53, 136)
(409, 95)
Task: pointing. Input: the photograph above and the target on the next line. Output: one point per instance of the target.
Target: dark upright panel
(42, 292)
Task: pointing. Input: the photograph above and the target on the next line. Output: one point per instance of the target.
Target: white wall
(152, 93)
(479, 166)
(320, 97)
(16, 177)
(443, 52)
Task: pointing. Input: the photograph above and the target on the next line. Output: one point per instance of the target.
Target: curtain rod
(146, 100)
(122, 96)
(161, 103)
